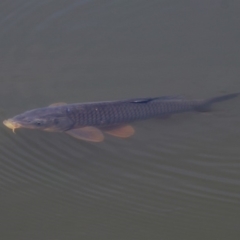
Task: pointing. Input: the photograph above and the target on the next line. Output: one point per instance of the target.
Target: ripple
(135, 173)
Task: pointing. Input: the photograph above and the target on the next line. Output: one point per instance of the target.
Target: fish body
(87, 120)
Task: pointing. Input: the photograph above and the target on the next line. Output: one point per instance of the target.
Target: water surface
(176, 178)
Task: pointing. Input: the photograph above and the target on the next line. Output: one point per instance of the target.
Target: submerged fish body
(86, 121)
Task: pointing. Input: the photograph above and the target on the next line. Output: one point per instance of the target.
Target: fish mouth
(11, 124)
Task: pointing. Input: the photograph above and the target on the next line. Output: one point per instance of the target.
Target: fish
(88, 121)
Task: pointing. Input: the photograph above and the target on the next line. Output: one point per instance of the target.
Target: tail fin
(206, 104)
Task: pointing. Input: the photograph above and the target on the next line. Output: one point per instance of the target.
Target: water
(176, 178)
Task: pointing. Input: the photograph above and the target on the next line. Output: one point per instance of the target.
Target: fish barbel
(88, 121)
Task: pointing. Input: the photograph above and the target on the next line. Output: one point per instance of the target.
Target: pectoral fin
(123, 131)
(57, 104)
(91, 134)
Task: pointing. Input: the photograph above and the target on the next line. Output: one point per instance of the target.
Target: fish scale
(111, 113)
(86, 121)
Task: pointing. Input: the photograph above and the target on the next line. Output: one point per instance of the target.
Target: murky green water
(176, 178)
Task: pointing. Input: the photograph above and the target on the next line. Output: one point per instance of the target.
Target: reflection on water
(175, 177)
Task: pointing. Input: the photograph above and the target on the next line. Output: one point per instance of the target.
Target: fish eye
(38, 123)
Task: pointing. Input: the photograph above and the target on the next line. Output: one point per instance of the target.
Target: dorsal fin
(142, 100)
(146, 100)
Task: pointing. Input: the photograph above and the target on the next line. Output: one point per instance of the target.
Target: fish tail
(205, 105)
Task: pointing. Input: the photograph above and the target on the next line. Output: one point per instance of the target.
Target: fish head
(47, 119)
